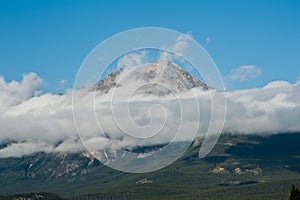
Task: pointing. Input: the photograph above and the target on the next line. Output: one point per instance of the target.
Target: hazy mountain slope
(229, 171)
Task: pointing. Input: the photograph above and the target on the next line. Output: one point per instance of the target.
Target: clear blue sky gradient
(51, 38)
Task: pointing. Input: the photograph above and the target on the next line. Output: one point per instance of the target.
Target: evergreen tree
(295, 193)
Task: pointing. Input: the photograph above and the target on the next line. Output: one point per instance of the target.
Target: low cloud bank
(32, 122)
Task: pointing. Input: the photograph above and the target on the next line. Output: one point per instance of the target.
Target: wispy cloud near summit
(244, 73)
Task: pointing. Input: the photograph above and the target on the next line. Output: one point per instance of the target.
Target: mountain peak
(159, 78)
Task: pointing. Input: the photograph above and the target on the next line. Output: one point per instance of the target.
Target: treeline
(295, 193)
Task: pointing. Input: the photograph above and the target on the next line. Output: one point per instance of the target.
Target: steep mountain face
(160, 78)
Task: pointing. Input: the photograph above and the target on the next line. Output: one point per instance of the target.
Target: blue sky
(52, 38)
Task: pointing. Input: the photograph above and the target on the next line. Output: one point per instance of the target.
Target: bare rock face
(160, 78)
(109, 82)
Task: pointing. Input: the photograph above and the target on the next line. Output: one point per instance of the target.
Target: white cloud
(62, 86)
(244, 73)
(45, 123)
(140, 57)
(13, 93)
(179, 48)
(208, 40)
(272, 109)
(24, 148)
(132, 59)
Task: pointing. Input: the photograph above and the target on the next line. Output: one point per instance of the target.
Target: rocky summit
(159, 78)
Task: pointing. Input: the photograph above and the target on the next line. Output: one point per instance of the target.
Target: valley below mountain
(239, 167)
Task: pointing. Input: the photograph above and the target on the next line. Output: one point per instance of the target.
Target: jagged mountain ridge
(159, 78)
